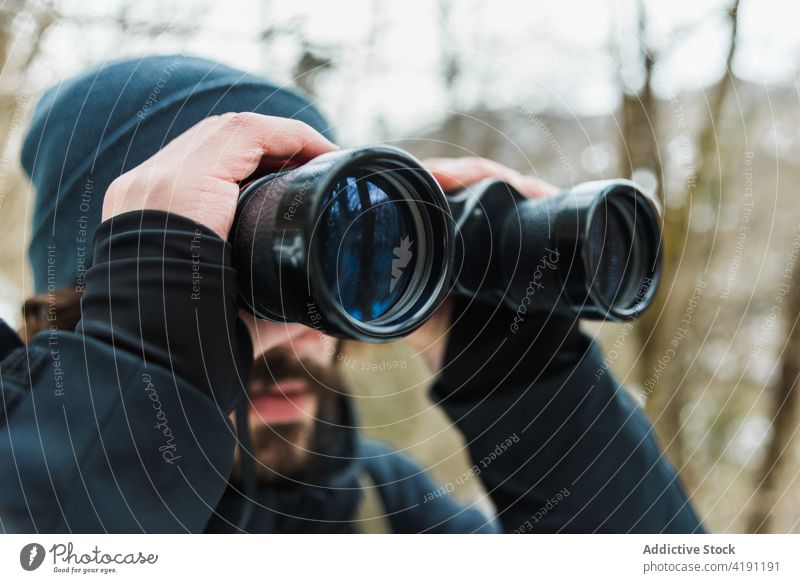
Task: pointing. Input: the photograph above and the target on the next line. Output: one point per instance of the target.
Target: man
(123, 424)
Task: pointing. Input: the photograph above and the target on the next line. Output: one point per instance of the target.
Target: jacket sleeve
(560, 445)
(124, 427)
(413, 502)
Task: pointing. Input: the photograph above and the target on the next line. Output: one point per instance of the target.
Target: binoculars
(363, 244)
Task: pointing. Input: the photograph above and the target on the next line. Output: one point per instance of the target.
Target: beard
(288, 453)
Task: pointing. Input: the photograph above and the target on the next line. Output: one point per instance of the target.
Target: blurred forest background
(696, 100)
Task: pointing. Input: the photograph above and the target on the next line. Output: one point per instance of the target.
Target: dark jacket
(121, 428)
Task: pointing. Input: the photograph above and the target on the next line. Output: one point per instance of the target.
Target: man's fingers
(245, 140)
(197, 134)
(533, 187)
(455, 173)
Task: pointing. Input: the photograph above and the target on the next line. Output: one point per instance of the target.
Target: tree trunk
(784, 420)
(667, 395)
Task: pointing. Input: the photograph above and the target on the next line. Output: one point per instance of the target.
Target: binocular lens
(617, 272)
(366, 233)
(356, 243)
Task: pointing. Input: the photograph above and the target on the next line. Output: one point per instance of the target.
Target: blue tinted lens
(366, 237)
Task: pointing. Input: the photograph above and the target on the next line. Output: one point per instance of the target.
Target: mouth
(286, 401)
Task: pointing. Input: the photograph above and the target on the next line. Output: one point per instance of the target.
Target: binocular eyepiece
(364, 244)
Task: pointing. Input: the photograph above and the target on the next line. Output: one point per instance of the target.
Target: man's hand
(456, 173)
(453, 174)
(197, 174)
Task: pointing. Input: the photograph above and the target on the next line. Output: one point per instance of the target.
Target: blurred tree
(641, 153)
(23, 27)
(312, 58)
(450, 71)
(770, 485)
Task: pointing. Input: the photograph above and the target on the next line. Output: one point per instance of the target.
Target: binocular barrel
(592, 251)
(364, 244)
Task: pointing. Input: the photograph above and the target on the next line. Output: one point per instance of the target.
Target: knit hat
(90, 129)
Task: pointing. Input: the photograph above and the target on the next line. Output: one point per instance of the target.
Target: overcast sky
(543, 54)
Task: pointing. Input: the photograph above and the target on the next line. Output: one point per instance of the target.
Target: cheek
(313, 346)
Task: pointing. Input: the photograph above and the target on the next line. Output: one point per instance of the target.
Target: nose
(294, 338)
(303, 340)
